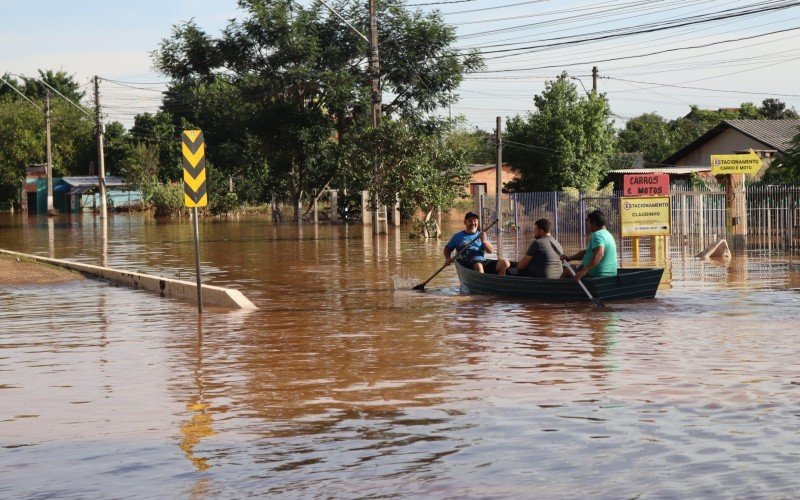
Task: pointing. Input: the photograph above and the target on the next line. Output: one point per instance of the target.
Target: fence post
(555, 214)
(790, 222)
(582, 211)
(516, 211)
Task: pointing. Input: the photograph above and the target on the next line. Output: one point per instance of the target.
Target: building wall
(488, 177)
(730, 141)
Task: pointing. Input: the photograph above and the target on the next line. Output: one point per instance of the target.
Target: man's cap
(471, 215)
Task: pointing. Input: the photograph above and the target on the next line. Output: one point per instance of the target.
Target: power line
(636, 56)
(59, 94)
(699, 88)
(20, 93)
(437, 3)
(638, 30)
(493, 8)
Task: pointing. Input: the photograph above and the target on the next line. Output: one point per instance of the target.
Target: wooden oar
(421, 286)
(596, 301)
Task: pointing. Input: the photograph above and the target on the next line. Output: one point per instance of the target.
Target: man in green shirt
(600, 256)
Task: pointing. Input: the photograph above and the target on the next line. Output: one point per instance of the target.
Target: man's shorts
(489, 266)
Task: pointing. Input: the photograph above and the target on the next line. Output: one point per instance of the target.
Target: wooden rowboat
(627, 284)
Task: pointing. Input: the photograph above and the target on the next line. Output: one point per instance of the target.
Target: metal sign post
(194, 191)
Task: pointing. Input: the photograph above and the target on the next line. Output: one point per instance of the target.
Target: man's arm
(599, 252)
(487, 245)
(576, 256)
(447, 258)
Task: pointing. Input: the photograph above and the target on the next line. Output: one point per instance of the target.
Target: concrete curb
(166, 287)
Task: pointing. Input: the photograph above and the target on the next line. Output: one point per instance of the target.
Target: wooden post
(736, 209)
(334, 206)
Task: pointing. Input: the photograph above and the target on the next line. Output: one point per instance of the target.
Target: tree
(477, 145)
(774, 109)
(567, 142)
(22, 140)
(657, 139)
(424, 169)
(786, 169)
(294, 85)
(21, 143)
(59, 80)
(648, 134)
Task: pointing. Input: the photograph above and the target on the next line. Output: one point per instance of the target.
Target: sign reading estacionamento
(645, 216)
(749, 163)
(645, 185)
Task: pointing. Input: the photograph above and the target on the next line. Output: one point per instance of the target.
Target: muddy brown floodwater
(344, 383)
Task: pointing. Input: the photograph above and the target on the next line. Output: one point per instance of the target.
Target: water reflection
(737, 269)
(199, 425)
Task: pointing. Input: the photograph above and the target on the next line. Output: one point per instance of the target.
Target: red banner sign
(645, 185)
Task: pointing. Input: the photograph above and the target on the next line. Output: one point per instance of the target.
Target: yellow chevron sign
(194, 168)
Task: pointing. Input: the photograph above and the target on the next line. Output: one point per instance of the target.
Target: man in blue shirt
(600, 256)
(474, 256)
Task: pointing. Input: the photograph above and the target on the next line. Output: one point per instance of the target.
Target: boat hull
(626, 285)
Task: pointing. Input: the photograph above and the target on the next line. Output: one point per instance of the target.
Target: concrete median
(166, 287)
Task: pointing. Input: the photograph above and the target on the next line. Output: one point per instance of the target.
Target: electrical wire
(648, 54)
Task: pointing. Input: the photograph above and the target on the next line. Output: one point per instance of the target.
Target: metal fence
(698, 216)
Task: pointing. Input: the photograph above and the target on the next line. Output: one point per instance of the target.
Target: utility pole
(375, 76)
(499, 177)
(50, 208)
(101, 165)
(594, 79)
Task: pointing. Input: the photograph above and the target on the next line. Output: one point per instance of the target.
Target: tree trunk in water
(427, 224)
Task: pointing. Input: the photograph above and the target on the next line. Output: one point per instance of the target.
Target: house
(768, 138)
(68, 192)
(484, 178)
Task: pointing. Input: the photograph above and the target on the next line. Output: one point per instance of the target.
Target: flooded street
(344, 383)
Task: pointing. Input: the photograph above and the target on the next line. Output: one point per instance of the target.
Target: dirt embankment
(15, 271)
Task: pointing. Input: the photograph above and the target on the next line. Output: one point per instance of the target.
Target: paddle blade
(419, 288)
(597, 302)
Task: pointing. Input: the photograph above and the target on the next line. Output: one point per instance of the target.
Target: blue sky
(113, 39)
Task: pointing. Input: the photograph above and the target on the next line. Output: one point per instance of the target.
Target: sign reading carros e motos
(645, 185)
(645, 216)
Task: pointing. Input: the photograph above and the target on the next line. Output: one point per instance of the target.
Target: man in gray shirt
(541, 260)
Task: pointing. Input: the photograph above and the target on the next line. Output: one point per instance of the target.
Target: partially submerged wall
(165, 287)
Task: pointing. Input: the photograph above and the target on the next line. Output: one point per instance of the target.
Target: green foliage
(63, 82)
(477, 145)
(567, 142)
(278, 91)
(161, 132)
(424, 170)
(223, 203)
(786, 169)
(34, 89)
(427, 228)
(167, 199)
(23, 142)
(657, 138)
(775, 109)
(648, 134)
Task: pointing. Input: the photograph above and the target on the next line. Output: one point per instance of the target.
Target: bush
(168, 199)
(225, 204)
